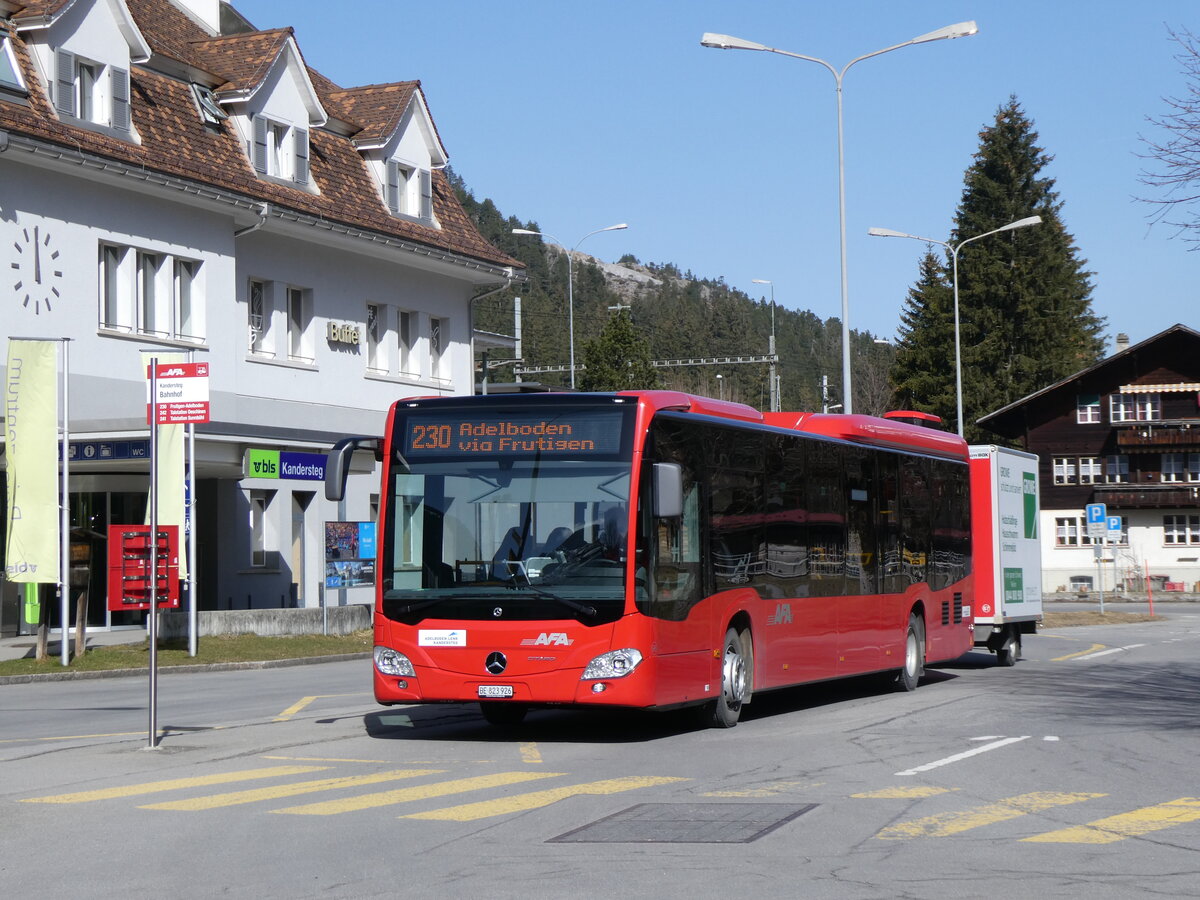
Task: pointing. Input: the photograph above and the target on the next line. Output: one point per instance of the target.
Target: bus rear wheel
(914, 655)
(726, 709)
(500, 713)
(1009, 652)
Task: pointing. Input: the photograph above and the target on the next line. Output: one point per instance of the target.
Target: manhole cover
(687, 823)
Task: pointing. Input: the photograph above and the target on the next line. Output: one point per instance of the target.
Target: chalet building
(1126, 433)
(174, 181)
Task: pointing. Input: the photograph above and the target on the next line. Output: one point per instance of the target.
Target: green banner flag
(31, 552)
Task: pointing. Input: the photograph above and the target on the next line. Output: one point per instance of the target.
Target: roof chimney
(1122, 341)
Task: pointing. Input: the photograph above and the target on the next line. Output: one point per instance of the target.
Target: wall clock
(38, 274)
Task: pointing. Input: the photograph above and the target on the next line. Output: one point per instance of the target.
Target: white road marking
(1111, 650)
(995, 745)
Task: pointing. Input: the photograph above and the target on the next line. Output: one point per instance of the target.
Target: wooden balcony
(1167, 436)
(1148, 496)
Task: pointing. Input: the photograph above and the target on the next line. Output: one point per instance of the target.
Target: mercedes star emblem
(496, 662)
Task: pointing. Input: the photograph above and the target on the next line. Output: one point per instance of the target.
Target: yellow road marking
(303, 702)
(163, 732)
(1001, 811)
(155, 787)
(1091, 649)
(407, 795)
(902, 793)
(274, 792)
(330, 759)
(1127, 825)
(530, 752)
(469, 812)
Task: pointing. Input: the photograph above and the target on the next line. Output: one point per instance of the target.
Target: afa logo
(547, 639)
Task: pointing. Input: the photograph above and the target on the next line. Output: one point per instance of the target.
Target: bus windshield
(520, 534)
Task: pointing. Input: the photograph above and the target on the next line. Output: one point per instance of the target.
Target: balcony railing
(1148, 496)
(1167, 434)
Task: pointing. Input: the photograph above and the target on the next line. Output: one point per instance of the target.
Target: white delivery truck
(1006, 548)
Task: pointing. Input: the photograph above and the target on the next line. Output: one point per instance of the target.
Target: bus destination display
(519, 434)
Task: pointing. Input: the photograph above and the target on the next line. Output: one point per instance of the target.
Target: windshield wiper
(519, 566)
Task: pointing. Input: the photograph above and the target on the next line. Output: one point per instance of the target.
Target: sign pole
(64, 578)
(152, 625)
(189, 519)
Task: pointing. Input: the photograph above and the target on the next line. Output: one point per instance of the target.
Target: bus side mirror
(668, 490)
(337, 463)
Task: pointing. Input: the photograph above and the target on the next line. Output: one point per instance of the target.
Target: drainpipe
(263, 211)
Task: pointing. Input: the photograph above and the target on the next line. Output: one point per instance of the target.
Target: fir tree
(926, 335)
(618, 359)
(1024, 296)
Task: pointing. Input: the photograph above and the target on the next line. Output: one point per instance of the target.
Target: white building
(172, 180)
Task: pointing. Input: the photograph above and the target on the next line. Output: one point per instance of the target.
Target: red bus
(654, 549)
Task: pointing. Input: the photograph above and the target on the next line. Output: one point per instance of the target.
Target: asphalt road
(1072, 774)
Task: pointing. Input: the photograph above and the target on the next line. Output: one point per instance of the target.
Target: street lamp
(771, 346)
(954, 248)
(726, 42)
(571, 281)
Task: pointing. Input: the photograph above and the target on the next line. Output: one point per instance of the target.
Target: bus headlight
(389, 662)
(613, 664)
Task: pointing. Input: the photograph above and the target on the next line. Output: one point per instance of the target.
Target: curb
(185, 669)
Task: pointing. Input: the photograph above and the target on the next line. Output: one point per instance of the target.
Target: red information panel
(181, 394)
(129, 564)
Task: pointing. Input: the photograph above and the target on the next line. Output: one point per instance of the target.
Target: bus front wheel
(724, 711)
(914, 655)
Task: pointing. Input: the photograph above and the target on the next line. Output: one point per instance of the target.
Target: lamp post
(727, 42)
(771, 346)
(954, 248)
(571, 281)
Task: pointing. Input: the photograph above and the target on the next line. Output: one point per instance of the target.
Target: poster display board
(349, 554)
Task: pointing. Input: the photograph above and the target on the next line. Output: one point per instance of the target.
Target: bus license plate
(495, 690)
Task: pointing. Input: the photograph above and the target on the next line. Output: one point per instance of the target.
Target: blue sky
(724, 162)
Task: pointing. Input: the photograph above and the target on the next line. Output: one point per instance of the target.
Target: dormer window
(280, 150)
(89, 91)
(10, 76)
(409, 191)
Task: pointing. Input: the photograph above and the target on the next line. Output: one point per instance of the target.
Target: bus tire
(724, 711)
(1009, 652)
(914, 655)
(498, 712)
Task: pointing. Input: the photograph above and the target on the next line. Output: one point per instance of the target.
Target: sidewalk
(25, 645)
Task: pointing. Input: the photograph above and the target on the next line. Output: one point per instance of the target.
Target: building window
(10, 74)
(1087, 409)
(409, 191)
(280, 151)
(1089, 470)
(1116, 469)
(91, 92)
(1178, 467)
(1181, 530)
(259, 318)
(1071, 531)
(143, 292)
(377, 360)
(1134, 407)
(436, 329)
(1065, 471)
(299, 324)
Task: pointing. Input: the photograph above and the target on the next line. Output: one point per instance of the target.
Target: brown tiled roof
(243, 60)
(35, 8)
(175, 142)
(377, 107)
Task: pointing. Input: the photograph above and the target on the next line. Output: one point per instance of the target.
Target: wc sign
(180, 394)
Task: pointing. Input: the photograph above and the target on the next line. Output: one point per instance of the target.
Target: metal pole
(517, 334)
(152, 624)
(64, 564)
(957, 345)
(190, 519)
(847, 400)
(571, 312)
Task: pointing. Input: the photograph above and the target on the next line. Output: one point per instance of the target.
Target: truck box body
(1007, 546)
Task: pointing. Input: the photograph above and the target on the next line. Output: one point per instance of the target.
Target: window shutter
(64, 82)
(300, 137)
(426, 195)
(393, 186)
(120, 98)
(259, 153)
